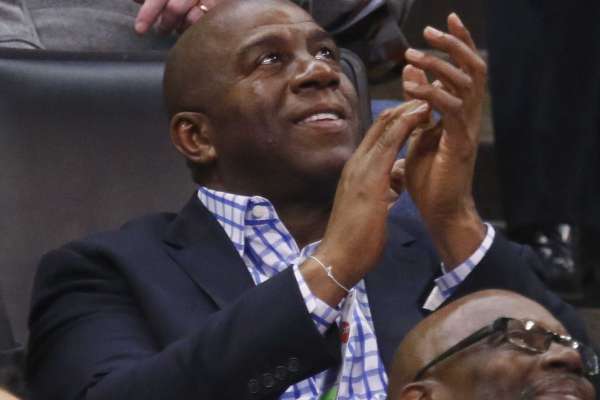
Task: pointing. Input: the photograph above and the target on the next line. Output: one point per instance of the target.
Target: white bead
(260, 212)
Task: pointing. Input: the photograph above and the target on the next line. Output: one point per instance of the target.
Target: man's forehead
(305, 30)
(308, 25)
(473, 316)
(279, 17)
(242, 17)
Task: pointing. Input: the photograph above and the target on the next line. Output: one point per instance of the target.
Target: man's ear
(421, 390)
(413, 391)
(191, 133)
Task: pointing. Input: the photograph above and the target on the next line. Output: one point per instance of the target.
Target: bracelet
(330, 274)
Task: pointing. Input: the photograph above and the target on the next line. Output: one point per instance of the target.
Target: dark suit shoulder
(122, 252)
(135, 235)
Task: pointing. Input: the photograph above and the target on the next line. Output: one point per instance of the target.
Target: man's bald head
(457, 320)
(241, 86)
(194, 68)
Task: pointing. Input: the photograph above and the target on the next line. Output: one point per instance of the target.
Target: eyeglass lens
(527, 335)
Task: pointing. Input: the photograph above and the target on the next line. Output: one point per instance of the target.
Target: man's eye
(325, 53)
(270, 58)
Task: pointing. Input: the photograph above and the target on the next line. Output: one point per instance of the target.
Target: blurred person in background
(372, 28)
(76, 25)
(545, 84)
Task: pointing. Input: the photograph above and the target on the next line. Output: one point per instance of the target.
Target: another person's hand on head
(492, 344)
(169, 15)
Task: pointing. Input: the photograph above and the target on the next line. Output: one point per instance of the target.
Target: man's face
(287, 114)
(496, 369)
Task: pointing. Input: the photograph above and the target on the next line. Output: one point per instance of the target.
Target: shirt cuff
(322, 314)
(446, 284)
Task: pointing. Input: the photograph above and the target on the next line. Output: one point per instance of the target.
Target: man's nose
(562, 357)
(315, 74)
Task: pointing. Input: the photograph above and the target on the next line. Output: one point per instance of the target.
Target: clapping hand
(439, 168)
(356, 232)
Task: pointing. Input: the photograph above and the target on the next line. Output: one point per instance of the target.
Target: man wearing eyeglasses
(492, 344)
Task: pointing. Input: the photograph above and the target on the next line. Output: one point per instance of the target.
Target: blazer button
(281, 373)
(293, 365)
(253, 386)
(268, 381)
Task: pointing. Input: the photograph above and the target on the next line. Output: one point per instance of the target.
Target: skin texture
(489, 369)
(246, 122)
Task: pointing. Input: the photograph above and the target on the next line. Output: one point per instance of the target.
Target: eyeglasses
(526, 335)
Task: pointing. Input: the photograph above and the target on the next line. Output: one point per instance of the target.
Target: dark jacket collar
(202, 249)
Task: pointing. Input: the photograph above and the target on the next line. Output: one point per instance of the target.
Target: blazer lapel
(199, 245)
(397, 289)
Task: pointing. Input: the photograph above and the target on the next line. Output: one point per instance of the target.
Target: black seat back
(83, 147)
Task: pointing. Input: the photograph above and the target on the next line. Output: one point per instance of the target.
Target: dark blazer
(164, 308)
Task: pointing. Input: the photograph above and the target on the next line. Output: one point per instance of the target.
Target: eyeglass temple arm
(466, 342)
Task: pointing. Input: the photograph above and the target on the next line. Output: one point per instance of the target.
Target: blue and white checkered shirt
(267, 248)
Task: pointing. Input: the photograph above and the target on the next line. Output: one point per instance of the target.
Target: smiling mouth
(321, 117)
(558, 396)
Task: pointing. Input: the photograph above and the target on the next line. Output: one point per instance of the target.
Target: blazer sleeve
(509, 266)
(90, 341)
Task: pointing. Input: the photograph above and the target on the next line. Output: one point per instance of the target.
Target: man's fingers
(396, 133)
(460, 52)
(458, 29)
(457, 136)
(393, 196)
(148, 14)
(450, 107)
(399, 128)
(413, 74)
(169, 14)
(174, 14)
(385, 119)
(192, 16)
(448, 104)
(397, 183)
(397, 176)
(453, 78)
(424, 141)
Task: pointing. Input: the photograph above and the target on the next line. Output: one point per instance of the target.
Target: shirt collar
(234, 212)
